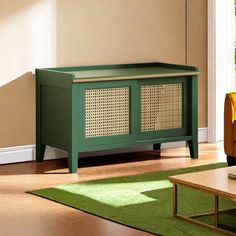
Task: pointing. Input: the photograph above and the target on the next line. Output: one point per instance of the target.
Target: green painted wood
(125, 66)
(40, 150)
(72, 126)
(54, 117)
(73, 156)
(125, 72)
(106, 71)
(51, 110)
(133, 144)
(54, 78)
(60, 108)
(193, 143)
(157, 146)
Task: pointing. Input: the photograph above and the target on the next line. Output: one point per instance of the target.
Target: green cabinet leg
(157, 147)
(73, 161)
(40, 150)
(193, 148)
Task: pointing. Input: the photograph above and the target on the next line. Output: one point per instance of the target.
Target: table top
(214, 181)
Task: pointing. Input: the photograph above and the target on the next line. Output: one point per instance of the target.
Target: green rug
(142, 201)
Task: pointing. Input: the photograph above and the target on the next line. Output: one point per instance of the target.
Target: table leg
(175, 207)
(216, 210)
(192, 220)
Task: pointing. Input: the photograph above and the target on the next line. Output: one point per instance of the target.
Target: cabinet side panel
(53, 106)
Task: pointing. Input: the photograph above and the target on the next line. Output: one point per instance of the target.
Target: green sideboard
(91, 108)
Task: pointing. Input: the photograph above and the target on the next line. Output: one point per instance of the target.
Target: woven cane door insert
(161, 106)
(106, 112)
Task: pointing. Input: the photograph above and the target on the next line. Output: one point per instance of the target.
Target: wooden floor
(25, 214)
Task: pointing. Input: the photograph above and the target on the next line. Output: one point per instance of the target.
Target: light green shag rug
(143, 202)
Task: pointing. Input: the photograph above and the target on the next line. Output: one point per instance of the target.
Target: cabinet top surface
(126, 71)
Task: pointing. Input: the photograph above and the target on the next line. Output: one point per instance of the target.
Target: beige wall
(27, 37)
(197, 51)
(17, 112)
(42, 33)
(111, 31)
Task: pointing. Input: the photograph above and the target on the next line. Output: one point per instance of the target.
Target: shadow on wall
(17, 111)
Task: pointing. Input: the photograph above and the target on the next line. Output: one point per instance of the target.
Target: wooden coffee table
(215, 182)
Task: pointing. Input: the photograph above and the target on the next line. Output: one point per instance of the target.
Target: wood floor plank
(26, 214)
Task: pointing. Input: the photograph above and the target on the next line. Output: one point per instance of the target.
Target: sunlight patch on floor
(117, 194)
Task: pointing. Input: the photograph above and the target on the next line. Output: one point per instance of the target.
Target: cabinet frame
(60, 107)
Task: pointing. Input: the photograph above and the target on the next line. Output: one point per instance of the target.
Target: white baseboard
(27, 153)
(17, 154)
(202, 135)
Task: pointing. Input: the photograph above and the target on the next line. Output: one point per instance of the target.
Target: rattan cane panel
(161, 107)
(106, 112)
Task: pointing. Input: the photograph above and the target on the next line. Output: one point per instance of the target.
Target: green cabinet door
(163, 108)
(106, 112)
